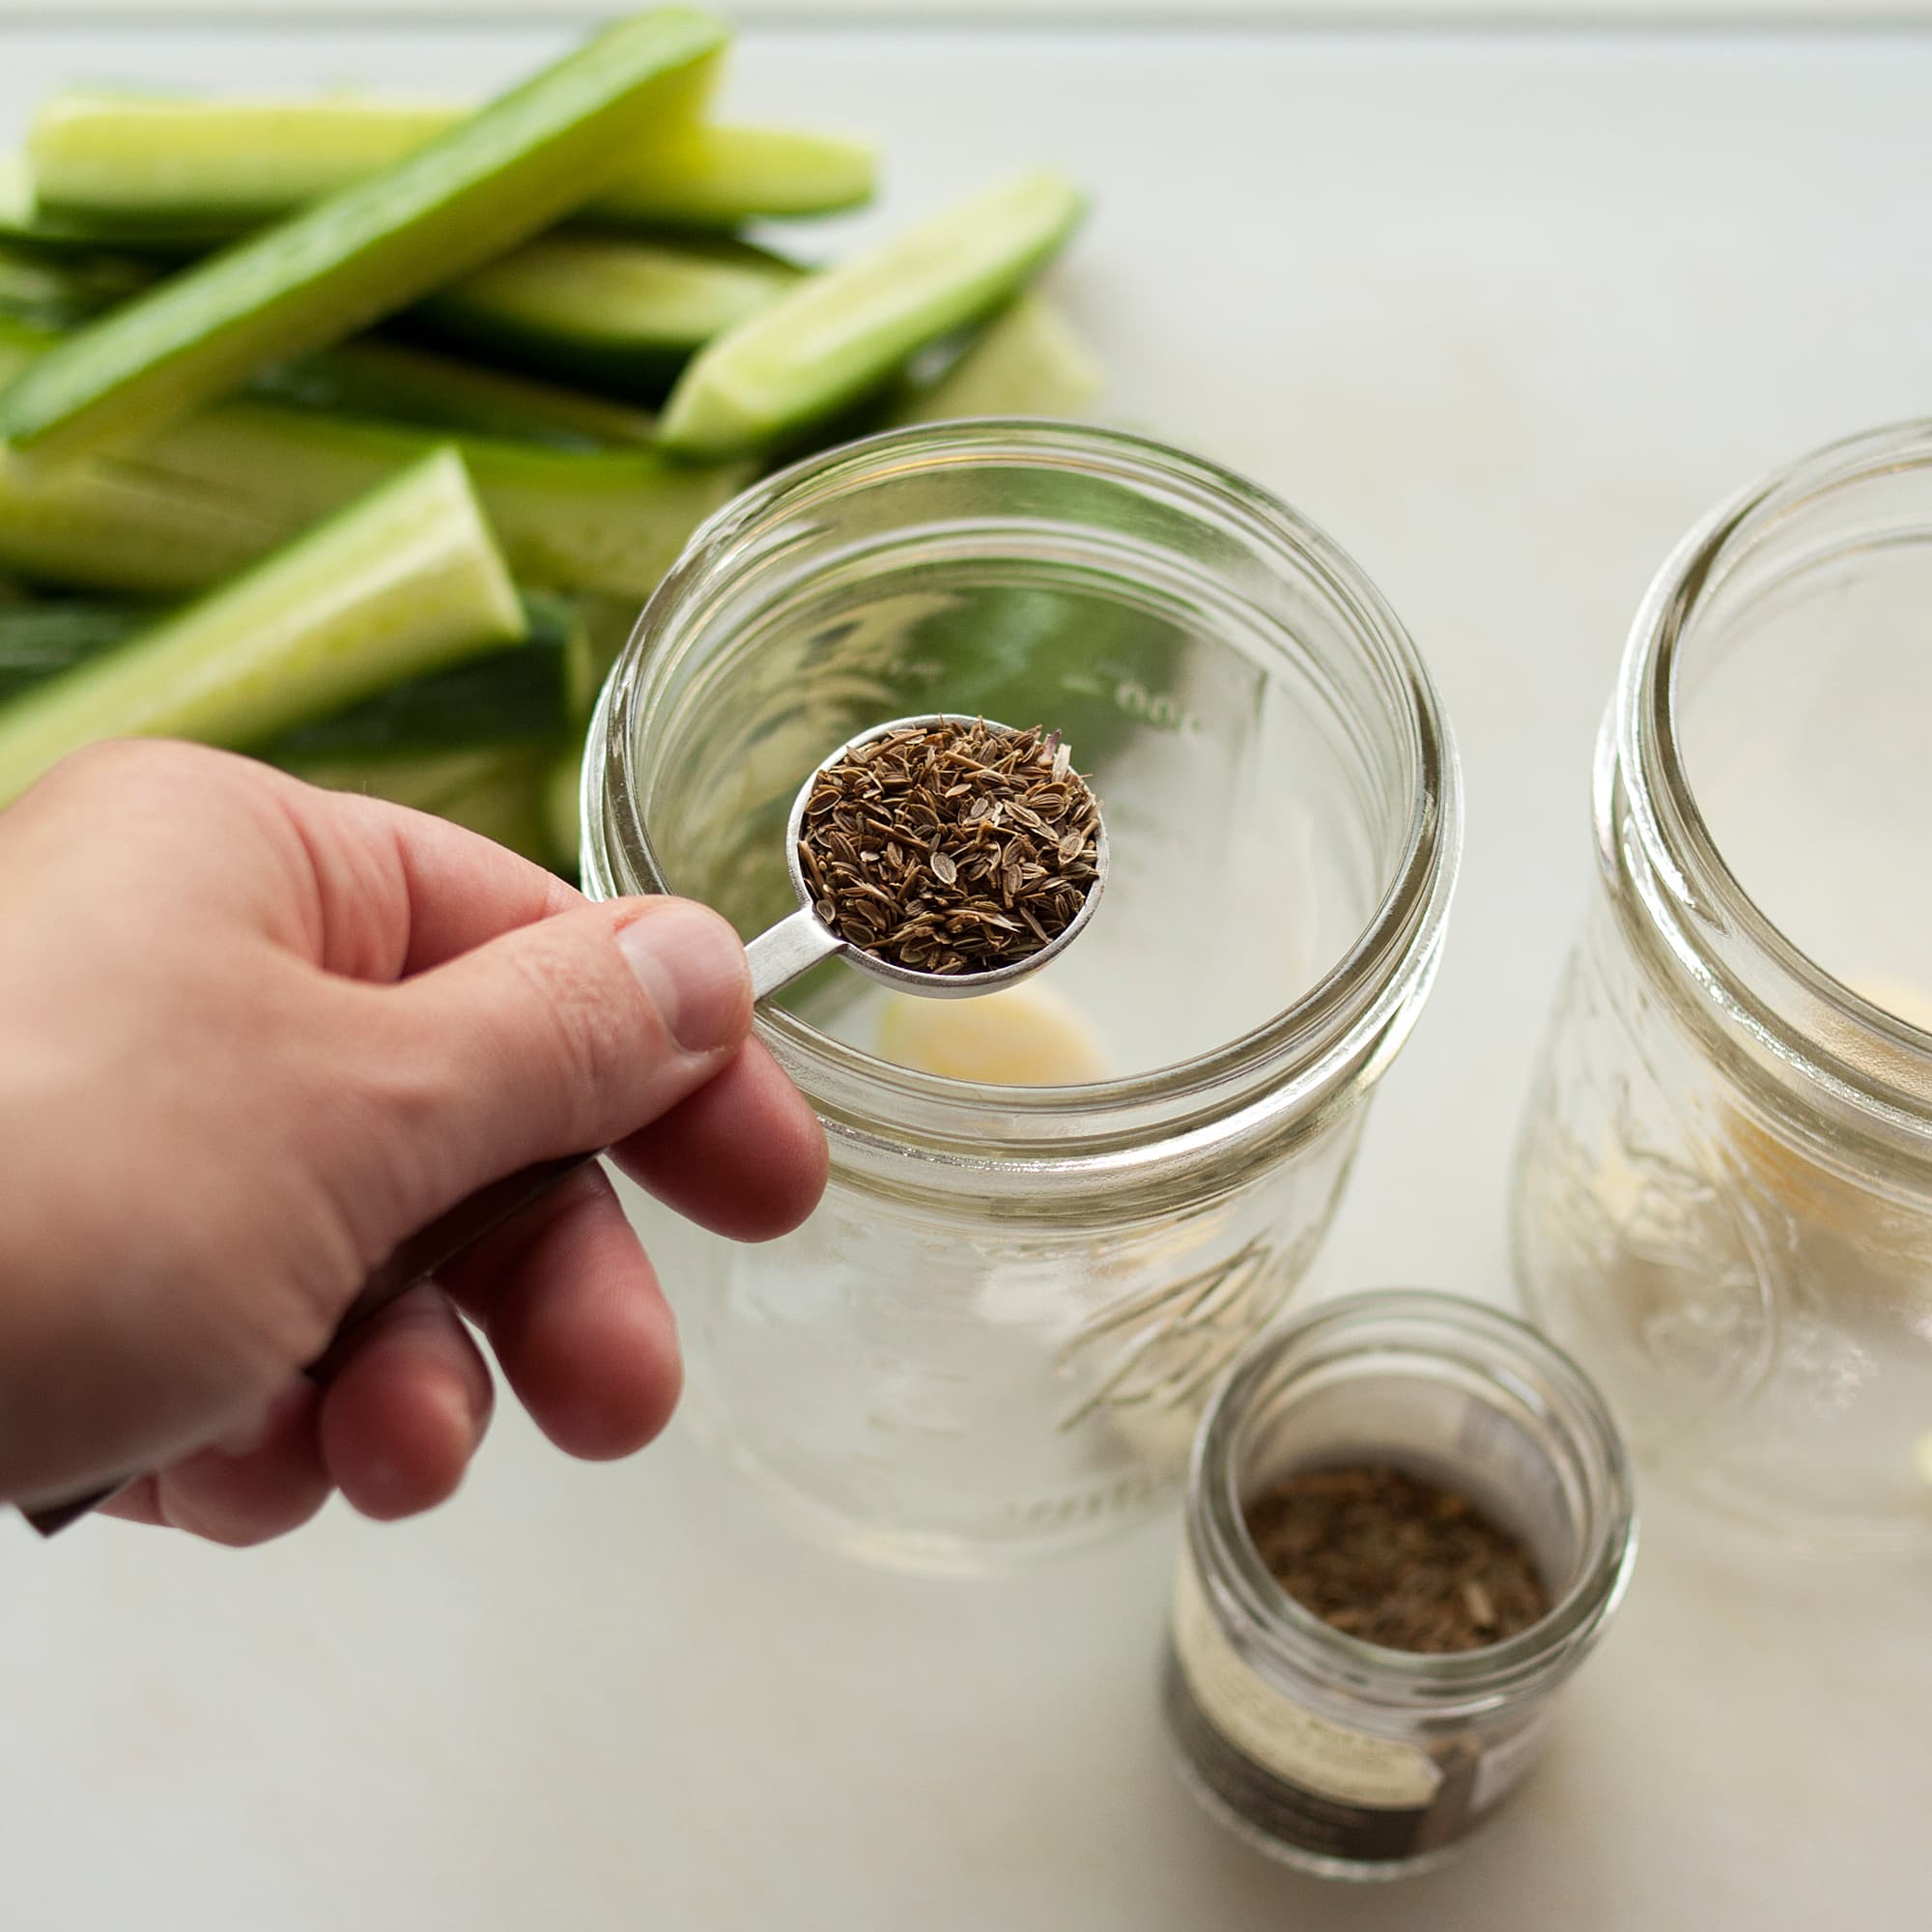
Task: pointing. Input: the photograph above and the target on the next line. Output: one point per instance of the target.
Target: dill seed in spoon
(951, 848)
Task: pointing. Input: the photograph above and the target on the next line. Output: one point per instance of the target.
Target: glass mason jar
(995, 1335)
(1723, 1195)
(1344, 1757)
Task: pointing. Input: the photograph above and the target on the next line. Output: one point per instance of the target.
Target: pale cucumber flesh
(606, 309)
(613, 521)
(606, 289)
(847, 330)
(367, 376)
(520, 694)
(488, 184)
(108, 163)
(218, 491)
(1027, 362)
(404, 581)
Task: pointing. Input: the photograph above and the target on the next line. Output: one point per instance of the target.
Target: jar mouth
(1337, 1034)
(1344, 1673)
(1800, 1019)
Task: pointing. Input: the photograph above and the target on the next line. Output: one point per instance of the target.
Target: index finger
(399, 891)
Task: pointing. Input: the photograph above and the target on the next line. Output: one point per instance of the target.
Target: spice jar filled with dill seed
(1409, 1520)
(1057, 1212)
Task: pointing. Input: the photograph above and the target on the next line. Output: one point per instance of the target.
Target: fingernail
(691, 965)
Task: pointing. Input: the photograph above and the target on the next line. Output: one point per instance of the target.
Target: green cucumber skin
(1026, 361)
(517, 695)
(611, 520)
(495, 790)
(114, 528)
(563, 820)
(404, 581)
(40, 641)
(710, 177)
(237, 164)
(59, 293)
(216, 493)
(523, 693)
(622, 315)
(398, 383)
(846, 333)
(367, 376)
(619, 314)
(473, 193)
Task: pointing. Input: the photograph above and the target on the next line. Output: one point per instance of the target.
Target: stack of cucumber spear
(352, 433)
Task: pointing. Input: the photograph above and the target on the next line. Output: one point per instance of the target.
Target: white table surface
(1504, 315)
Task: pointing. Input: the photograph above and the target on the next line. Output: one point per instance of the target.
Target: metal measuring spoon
(792, 948)
(778, 957)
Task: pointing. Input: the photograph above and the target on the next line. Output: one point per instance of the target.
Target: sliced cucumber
(59, 293)
(488, 184)
(518, 695)
(27, 227)
(112, 528)
(704, 176)
(523, 693)
(494, 790)
(134, 163)
(134, 532)
(1027, 362)
(618, 313)
(612, 519)
(406, 580)
(220, 490)
(388, 381)
(563, 819)
(368, 376)
(38, 639)
(845, 331)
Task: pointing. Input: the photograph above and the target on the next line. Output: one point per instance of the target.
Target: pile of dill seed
(951, 848)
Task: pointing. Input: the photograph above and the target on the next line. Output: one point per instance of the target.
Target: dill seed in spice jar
(1409, 1518)
(950, 847)
(1395, 1560)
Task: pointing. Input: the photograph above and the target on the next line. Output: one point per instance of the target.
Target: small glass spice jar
(995, 1335)
(1344, 1757)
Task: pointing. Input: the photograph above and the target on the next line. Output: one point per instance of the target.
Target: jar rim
(1808, 1022)
(1342, 1026)
(1345, 1674)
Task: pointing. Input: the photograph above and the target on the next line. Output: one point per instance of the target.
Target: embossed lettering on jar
(1723, 1200)
(994, 1338)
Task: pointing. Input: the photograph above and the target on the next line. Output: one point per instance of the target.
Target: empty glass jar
(994, 1337)
(1723, 1200)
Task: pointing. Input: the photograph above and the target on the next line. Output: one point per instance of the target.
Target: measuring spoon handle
(793, 947)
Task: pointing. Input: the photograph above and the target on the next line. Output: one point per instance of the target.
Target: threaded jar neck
(921, 510)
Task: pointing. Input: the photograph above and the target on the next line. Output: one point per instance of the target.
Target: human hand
(252, 1035)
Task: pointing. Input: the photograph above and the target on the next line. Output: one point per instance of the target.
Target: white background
(1032, 13)
(1505, 314)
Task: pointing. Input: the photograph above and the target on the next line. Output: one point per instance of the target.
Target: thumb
(558, 1037)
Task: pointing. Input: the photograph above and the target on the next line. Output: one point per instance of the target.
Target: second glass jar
(1723, 1195)
(994, 1337)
